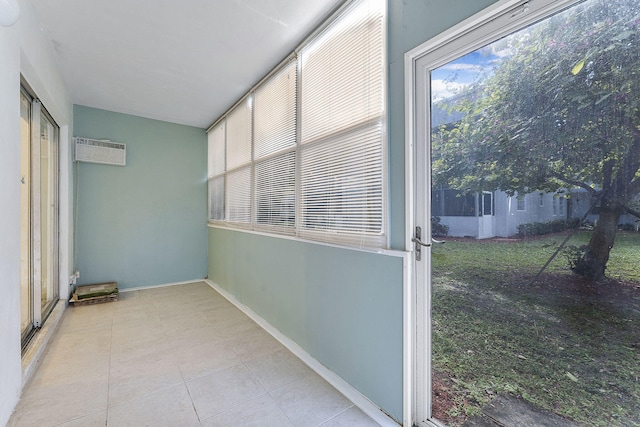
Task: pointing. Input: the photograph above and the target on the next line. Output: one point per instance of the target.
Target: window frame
(363, 238)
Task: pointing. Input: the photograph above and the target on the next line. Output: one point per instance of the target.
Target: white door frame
(501, 18)
(486, 222)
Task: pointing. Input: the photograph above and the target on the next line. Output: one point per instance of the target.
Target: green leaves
(578, 67)
(563, 99)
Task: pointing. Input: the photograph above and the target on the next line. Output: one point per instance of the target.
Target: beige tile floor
(175, 356)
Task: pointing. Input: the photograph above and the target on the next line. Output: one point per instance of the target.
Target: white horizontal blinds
(275, 113)
(238, 177)
(304, 153)
(342, 81)
(239, 135)
(275, 193)
(274, 124)
(238, 202)
(216, 158)
(341, 122)
(216, 198)
(342, 189)
(216, 169)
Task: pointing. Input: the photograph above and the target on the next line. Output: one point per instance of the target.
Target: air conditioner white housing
(100, 151)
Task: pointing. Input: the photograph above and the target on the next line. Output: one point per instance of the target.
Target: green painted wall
(342, 306)
(411, 23)
(143, 224)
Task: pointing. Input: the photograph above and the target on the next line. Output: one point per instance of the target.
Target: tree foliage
(561, 110)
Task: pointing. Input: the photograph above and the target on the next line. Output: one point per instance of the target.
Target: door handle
(418, 243)
(421, 243)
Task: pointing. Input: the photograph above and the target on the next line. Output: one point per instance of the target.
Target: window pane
(275, 192)
(341, 184)
(239, 196)
(342, 106)
(275, 113)
(239, 136)
(342, 118)
(342, 73)
(216, 198)
(26, 313)
(216, 150)
(48, 213)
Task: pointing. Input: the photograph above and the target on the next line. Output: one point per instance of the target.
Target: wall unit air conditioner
(100, 151)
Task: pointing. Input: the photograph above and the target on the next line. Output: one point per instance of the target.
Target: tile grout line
(106, 420)
(175, 358)
(336, 415)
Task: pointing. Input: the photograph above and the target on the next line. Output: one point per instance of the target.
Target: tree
(561, 110)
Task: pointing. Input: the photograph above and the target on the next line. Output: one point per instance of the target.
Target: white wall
(24, 49)
(9, 222)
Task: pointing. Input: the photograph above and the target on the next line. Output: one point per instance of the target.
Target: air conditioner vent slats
(100, 151)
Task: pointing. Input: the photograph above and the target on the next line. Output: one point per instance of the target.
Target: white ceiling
(183, 61)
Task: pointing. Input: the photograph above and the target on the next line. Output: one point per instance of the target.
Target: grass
(562, 343)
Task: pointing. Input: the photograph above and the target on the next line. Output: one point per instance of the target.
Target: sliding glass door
(39, 288)
(26, 307)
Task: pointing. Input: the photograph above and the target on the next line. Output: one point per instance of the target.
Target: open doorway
(531, 109)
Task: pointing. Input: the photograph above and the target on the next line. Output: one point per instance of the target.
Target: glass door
(536, 309)
(26, 305)
(39, 288)
(48, 214)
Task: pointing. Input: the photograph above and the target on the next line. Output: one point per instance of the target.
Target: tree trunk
(593, 262)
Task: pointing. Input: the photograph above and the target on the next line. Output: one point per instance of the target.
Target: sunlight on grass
(561, 343)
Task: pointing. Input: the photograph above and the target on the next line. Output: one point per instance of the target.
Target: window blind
(275, 113)
(343, 73)
(216, 198)
(275, 193)
(239, 135)
(216, 150)
(238, 201)
(304, 153)
(238, 177)
(216, 167)
(275, 105)
(342, 108)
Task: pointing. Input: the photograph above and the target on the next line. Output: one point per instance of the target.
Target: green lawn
(561, 343)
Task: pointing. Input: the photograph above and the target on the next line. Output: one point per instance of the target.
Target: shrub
(540, 228)
(438, 229)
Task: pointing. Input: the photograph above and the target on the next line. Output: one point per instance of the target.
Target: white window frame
(366, 236)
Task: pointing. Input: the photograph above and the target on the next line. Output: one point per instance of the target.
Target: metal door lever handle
(420, 242)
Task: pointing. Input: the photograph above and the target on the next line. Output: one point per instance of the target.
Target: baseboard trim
(361, 401)
(163, 285)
